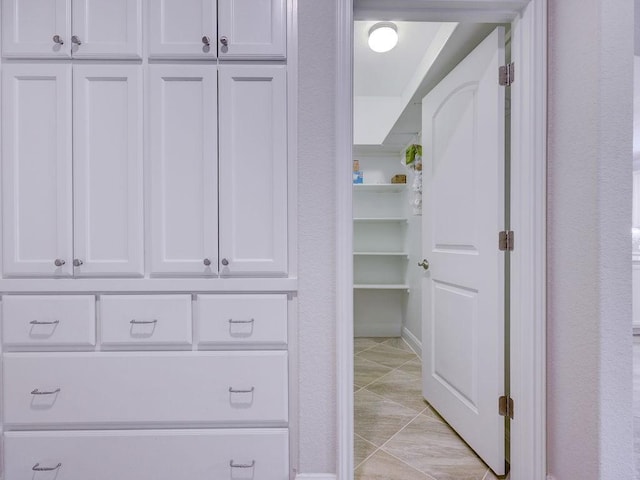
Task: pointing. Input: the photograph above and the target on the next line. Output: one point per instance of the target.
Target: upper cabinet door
(182, 29)
(107, 170)
(253, 170)
(183, 169)
(107, 29)
(36, 28)
(252, 29)
(36, 170)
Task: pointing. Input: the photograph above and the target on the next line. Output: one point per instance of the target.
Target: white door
(252, 29)
(107, 29)
(184, 169)
(36, 170)
(36, 28)
(107, 170)
(182, 29)
(464, 209)
(253, 170)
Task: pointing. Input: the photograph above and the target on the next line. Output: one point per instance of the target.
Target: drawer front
(145, 320)
(48, 321)
(247, 320)
(146, 388)
(148, 455)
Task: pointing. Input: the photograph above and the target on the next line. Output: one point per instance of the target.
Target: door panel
(107, 28)
(29, 28)
(36, 166)
(177, 29)
(253, 170)
(107, 159)
(183, 167)
(464, 209)
(253, 29)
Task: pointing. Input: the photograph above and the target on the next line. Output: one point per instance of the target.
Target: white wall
(415, 274)
(589, 191)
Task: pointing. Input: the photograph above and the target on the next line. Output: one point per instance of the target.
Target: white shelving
(380, 187)
(380, 286)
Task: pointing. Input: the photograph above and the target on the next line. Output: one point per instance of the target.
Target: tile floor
(397, 434)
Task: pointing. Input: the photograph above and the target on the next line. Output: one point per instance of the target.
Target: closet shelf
(380, 187)
(380, 286)
(380, 219)
(381, 254)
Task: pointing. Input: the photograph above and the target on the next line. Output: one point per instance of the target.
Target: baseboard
(376, 330)
(412, 340)
(316, 476)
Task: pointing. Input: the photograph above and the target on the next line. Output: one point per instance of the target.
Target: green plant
(411, 153)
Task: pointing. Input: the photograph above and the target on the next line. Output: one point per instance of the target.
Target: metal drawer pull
(38, 322)
(231, 320)
(224, 41)
(57, 39)
(232, 390)
(75, 39)
(59, 262)
(38, 468)
(50, 392)
(206, 40)
(142, 322)
(242, 465)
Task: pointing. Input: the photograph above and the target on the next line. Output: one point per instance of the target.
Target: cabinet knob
(77, 262)
(225, 262)
(58, 262)
(224, 41)
(424, 264)
(206, 40)
(57, 39)
(206, 262)
(76, 40)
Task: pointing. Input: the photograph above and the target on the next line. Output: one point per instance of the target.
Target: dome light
(383, 36)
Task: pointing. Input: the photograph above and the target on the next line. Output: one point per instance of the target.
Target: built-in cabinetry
(147, 291)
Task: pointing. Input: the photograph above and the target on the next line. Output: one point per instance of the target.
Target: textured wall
(316, 234)
(589, 192)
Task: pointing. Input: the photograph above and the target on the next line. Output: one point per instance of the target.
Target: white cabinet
(51, 213)
(244, 29)
(183, 169)
(252, 29)
(253, 170)
(36, 165)
(72, 28)
(636, 200)
(182, 29)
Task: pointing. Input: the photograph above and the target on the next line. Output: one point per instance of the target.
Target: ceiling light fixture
(383, 36)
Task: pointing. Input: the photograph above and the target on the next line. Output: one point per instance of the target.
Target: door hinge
(506, 75)
(505, 241)
(505, 406)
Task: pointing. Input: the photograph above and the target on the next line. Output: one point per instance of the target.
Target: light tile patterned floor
(636, 405)
(398, 436)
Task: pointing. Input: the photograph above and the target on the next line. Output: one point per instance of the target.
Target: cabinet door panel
(253, 28)
(29, 28)
(183, 168)
(36, 163)
(107, 28)
(177, 29)
(253, 170)
(107, 127)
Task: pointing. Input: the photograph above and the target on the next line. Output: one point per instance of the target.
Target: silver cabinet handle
(35, 391)
(424, 264)
(224, 41)
(38, 322)
(233, 390)
(59, 262)
(143, 322)
(225, 262)
(206, 262)
(57, 39)
(232, 321)
(38, 468)
(232, 464)
(75, 39)
(77, 262)
(206, 40)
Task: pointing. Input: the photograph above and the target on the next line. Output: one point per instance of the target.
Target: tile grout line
(389, 372)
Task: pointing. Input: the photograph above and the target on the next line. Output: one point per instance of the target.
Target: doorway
(527, 265)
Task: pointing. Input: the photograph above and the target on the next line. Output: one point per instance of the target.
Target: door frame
(528, 215)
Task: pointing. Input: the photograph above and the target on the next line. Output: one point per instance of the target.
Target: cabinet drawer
(259, 320)
(152, 320)
(146, 388)
(149, 455)
(48, 321)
